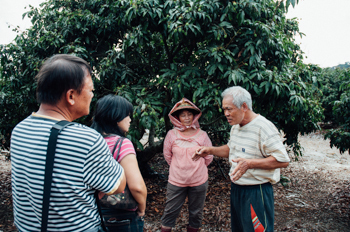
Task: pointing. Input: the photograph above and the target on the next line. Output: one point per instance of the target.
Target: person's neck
(248, 117)
(55, 111)
(189, 131)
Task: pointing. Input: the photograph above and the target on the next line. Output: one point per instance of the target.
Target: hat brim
(191, 108)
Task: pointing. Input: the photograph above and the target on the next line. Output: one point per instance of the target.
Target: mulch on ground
(311, 201)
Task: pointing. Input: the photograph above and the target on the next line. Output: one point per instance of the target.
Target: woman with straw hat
(187, 178)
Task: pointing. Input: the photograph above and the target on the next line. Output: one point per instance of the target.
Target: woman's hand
(140, 213)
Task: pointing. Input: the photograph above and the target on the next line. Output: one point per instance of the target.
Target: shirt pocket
(247, 152)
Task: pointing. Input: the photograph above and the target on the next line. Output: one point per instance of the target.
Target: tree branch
(212, 122)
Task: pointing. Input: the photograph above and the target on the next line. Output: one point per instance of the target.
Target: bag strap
(96, 193)
(100, 211)
(50, 156)
(120, 140)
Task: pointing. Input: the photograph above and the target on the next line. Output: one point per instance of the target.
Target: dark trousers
(252, 208)
(122, 220)
(176, 197)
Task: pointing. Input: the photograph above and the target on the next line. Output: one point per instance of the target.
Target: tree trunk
(146, 155)
(152, 133)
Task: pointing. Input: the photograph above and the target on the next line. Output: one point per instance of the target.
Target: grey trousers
(175, 199)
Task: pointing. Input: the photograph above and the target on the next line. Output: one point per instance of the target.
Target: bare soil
(316, 195)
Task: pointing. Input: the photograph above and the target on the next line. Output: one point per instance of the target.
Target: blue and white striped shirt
(83, 163)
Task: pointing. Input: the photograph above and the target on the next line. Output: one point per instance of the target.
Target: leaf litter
(316, 198)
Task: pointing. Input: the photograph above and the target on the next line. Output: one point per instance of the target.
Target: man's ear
(70, 96)
(245, 107)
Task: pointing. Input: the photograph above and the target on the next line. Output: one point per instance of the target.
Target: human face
(186, 117)
(83, 100)
(233, 114)
(124, 124)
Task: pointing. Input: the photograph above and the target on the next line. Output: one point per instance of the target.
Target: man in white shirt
(256, 154)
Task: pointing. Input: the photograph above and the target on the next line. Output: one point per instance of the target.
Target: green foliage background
(336, 102)
(154, 52)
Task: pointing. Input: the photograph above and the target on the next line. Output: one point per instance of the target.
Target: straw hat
(185, 106)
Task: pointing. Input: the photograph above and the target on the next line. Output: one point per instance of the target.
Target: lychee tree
(154, 52)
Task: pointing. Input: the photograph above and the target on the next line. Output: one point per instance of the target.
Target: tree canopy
(336, 102)
(154, 52)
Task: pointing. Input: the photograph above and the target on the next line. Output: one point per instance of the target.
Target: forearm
(168, 157)
(266, 163)
(222, 151)
(134, 180)
(167, 147)
(208, 159)
(140, 195)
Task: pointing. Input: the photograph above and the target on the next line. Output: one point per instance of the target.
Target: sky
(325, 24)
(11, 12)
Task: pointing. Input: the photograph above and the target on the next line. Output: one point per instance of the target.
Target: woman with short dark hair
(112, 119)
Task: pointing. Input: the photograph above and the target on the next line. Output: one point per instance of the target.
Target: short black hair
(110, 110)
(58, 74)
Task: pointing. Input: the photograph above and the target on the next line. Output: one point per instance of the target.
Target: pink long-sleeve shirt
(178, 150)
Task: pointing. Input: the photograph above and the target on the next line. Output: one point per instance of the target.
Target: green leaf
(211, 69)
(221, 67)
(267, 86)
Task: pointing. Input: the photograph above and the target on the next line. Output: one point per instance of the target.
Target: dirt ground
(316, 195)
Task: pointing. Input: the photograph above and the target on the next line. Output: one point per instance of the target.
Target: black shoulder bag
(50, 156)
(123, 200)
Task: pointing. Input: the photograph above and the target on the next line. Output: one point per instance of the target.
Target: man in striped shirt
(83, 163)
(256, 154)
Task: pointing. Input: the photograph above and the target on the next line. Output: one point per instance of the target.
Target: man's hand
(100, 195)
(240, 169)
(201, 152)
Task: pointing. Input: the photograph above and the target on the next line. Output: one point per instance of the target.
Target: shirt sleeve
(207, 143)
(126, 149)
(167, 152)
(101, 171)
(272, 145)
